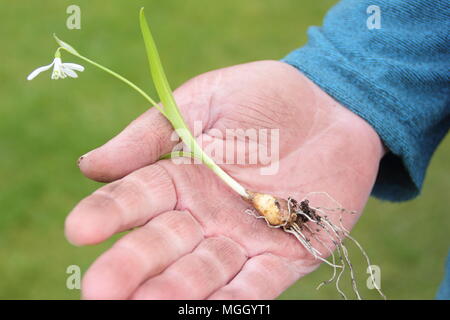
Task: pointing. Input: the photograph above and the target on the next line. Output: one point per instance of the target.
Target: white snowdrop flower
(60, 70)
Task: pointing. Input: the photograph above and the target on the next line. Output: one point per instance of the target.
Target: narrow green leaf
(171, 111)
(170, 108)
(66, 46)
(157, 71)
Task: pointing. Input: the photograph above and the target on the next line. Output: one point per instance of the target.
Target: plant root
(314, 230)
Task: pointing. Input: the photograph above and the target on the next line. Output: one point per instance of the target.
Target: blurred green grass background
(46, 125)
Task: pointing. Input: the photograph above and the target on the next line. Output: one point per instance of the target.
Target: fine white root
(368, 263)
(302, 241)
(337, 207)
(299, 231)
(253, 214)
(340, 273)
(352, 274)
(337, 230)
(330, 251)
(336, 240)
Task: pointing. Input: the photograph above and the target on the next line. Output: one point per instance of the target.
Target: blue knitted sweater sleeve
(390, 65)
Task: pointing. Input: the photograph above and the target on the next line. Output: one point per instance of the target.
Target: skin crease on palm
(191, 238)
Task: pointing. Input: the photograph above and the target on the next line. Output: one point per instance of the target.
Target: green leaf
(157, 71)
(170, 108)
(171, 111)
(66, 46)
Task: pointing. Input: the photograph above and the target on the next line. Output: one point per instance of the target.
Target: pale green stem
(177, 154)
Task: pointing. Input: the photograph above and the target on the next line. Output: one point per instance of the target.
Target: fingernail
(80, 159)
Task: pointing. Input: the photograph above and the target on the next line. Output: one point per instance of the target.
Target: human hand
(192, 239)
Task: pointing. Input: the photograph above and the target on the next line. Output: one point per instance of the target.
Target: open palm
(192, 237)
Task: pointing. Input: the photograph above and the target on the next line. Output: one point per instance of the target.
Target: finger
(121, 205)
(140, 254)
(195, 276)
(264, 276)
(140, 144)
